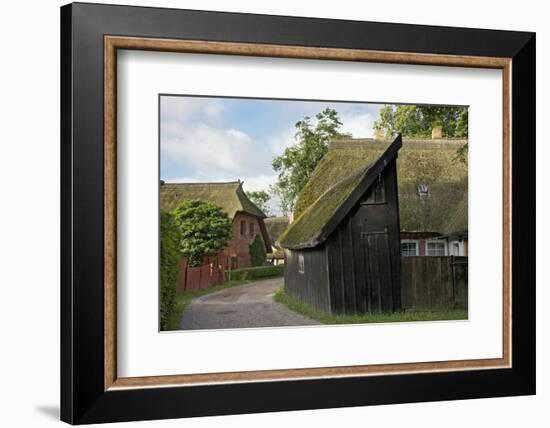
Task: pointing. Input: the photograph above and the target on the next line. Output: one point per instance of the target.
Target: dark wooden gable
(363, 252)
(352, 264)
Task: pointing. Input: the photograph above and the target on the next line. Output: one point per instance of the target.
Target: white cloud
(212, 151)
(186, 109)
(197, 144)
(360, 125)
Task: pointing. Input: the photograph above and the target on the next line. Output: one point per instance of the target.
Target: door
(378, 270)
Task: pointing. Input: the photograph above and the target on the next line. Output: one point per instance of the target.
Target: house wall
(239, 246)
(235, 256)
(310, 284)
(364, 253)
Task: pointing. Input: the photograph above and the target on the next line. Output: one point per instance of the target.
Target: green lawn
(324, 318)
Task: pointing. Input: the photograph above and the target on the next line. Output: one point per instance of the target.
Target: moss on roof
(306, 230)
(275, 227)
(428, 162)
(457, 222)
(229, 196)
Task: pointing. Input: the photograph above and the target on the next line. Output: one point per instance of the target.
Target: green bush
(257, 252)
(169, 259)
(255, 273)
(277, 254)
(204, 229)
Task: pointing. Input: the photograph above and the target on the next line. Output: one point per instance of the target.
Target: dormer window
(423, 190)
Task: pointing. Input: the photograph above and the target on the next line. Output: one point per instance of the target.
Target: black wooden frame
(83, 399)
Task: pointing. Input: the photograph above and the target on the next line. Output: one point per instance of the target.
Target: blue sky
(225, 139)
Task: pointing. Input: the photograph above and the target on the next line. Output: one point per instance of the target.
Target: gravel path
(249, 305)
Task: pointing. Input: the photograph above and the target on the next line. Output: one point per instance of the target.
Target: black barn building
(343, 252)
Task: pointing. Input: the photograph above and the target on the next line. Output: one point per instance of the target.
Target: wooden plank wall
(311, 286)
(430, 283)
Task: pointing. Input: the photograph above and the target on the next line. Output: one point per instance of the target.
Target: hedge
(169, 259)
(255, 273)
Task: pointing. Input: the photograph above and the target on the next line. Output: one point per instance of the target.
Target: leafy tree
(169, 258)
(257, 252)
(204, 229)
(297, 163)
(417, 121)
(260, 199)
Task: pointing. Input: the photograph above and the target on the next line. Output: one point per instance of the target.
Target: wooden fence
(430, 283)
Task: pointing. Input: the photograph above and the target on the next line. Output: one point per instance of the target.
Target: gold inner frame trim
(113, 43)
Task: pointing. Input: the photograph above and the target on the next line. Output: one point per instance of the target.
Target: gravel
(243, 306)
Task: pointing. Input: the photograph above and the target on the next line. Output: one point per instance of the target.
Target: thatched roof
(275, 227)
(421, 162)
(314, 224)
(457, 223)
(229, 196)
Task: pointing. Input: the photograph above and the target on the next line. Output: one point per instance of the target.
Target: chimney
(379, 134)
(437, 133)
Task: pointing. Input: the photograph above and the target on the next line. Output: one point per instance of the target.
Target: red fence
(211, 272)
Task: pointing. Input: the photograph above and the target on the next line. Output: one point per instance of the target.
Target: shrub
(204, 229)
(257, 252)
(277, 254)
(255, 273)
(169, 259)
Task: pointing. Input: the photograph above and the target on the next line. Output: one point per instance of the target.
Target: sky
(226, 139)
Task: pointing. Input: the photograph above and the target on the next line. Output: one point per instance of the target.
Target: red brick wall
(239, 246)
(213, 268)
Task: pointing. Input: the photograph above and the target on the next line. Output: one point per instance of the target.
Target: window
(377, 193)
(251, 229)
(301, 263)
(243, 227)
(455, 249)
(435, 248)
(423, 190)
(409, 249)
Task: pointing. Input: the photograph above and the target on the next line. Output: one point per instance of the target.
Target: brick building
(247, 223)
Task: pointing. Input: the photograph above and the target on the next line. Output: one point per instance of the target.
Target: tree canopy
(298, 161)
(417, 121)
(204, 229)
(260, 199)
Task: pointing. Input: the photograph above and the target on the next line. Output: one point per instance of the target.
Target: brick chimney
(437, 132)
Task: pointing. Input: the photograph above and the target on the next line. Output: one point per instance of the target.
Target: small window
(251, 229)
(243, 227)
(301, 268)
(377, 193)
(435, 248)
(409, 249)
(423, 190)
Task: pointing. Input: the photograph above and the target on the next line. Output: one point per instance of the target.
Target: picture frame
(91, 392)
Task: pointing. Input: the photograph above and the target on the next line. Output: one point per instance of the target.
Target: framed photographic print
(266, 213)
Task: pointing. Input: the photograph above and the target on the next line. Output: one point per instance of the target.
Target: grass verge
(184, 299)
(324, 318)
